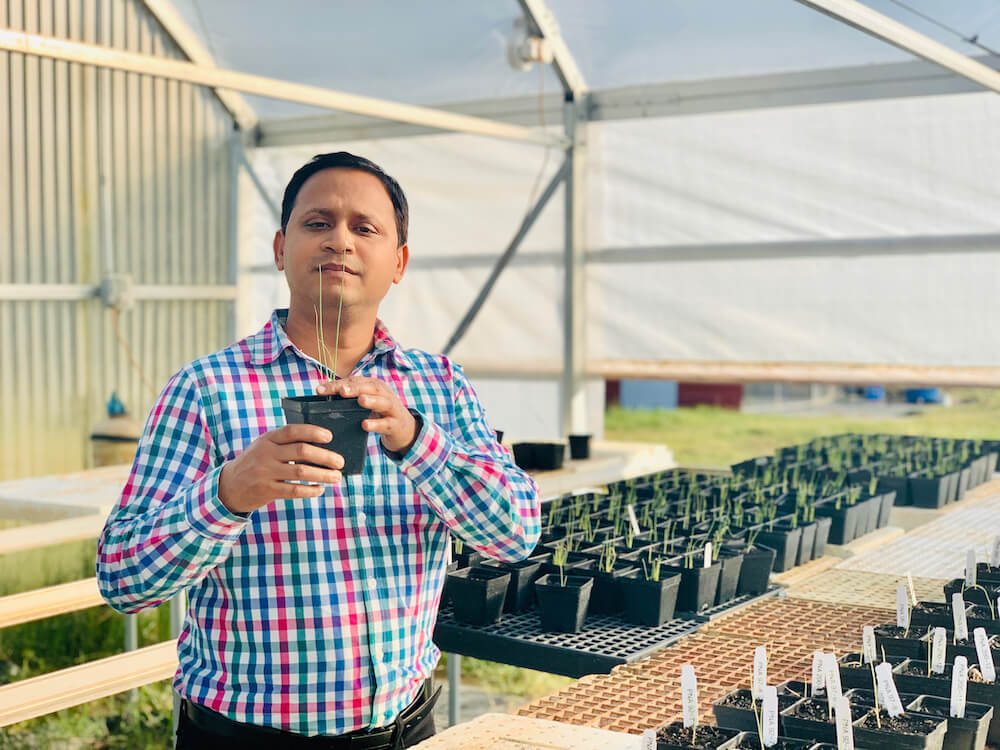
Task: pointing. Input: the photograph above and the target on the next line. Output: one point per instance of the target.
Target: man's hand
(390, 418)
(260, 474)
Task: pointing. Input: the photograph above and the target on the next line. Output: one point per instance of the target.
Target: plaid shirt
(309, 615)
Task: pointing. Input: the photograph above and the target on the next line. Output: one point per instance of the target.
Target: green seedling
(559, 558)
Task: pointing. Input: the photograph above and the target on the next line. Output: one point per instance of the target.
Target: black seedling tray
(605, 641)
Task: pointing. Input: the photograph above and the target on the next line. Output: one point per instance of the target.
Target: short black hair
(345, 160)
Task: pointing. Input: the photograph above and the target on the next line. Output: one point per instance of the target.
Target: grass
(709, 436)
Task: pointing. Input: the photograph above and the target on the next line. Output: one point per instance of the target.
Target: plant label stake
(970, 567)
(883, 676)
(959, 684)
(913, 591)
(648, 740)
(986, 665)
(759, 672)
(769, 716)
(818, 683)
(868, 644)
(938, 650)
(832, 679)
(845, 728)
(632, 519)
(708, 554)
(958, 616)
(689, 696)
(902, 608)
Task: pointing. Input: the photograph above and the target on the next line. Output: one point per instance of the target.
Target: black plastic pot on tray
(805, 728)
(342, 417)
(755, 572)
(807, 542)
(962, 734)
(697, 588)
(929, 492)
(885, 515)
(729, 576)
(784, 540)
(844, 528)
(751, 741)
(579, 447)
(892, 640)
(868, 520)
(867, 733)
(674, 736)
(563, 609)
(477, 594)
(521, 590)
(607, 596)
(854, 673)
(899, 485)
(743, 717)
(650, 602)
(823, 524)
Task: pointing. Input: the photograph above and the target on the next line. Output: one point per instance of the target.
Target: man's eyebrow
(331, 214)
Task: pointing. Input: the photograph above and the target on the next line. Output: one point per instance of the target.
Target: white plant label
(913, 591)
(708, 554)
(818, 681)
(845, 729)
(959, 684)
(883, 677)
(970, 567)
(831, 677)
(689, 696)
(902, 608)
(769, 716)
(633, 521)
(958, 616)
(648, 740)
(986, 665)
(868, 644)
(995, 556)
(939, 649)
(759, 672)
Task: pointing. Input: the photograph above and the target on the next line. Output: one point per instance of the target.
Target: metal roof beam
(105, 57)
(188, 43)
(900, 35)
(566, 68)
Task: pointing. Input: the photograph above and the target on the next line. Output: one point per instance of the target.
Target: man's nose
(339, 240)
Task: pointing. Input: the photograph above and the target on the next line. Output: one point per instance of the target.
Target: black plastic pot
(477, 594)
(888, 500)
(784, 540)
(579, 446)
(964, 482)
(823, 524)
(467, 558)
(342, 417)
(940, 686)
(962, 734)
(869, 515)
(707, 737)
(751, 741)
(607, 596)
(889, 638)
(807, 543)
(755, 572)
(951, 482)
(845, 521)
(520, 591)
(729, 576)
(929, 493)
(563, 608)
(899, 485)
(650, 602)
(697, 588)
(803, 728)
(874, 737)
(544, 456)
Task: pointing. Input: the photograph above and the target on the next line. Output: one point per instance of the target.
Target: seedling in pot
(652, 571)
(559, 558)
(606, 563)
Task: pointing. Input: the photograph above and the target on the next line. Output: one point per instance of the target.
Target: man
(311, 595)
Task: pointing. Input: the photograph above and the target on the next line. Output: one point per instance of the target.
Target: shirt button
(371, 584)
(362, 517)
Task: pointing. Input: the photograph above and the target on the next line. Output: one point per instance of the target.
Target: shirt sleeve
(169, 529)
(471, 481)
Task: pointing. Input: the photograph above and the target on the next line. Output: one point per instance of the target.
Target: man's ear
(402, 259)
(279, 250)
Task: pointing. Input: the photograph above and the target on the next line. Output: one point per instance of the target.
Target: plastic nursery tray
(864, 589)
(605, 641)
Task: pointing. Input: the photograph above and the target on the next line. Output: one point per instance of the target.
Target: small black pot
(697, 588)
(929, 493)
(520, 591)
(804, 728)
(888, 500)
(723, 737)
(563, 608)
(844, 528)
(607, 596)
(784, 540)
(755, 572)
(962, 734)
(867, 736)
(806, 544)
(729, 576)
(579, 447)
(650, 602)
(889, 639)
(899, 485)
(477, 594)
(823, 524)
(342, 417)
(868, 520)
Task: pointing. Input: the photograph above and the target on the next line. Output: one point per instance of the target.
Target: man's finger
(286, 490)
(385, 424)
(300, 433)
(308, 453)
(379, 403)
(307, 473)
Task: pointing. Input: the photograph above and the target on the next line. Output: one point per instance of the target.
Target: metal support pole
(573, 402)
(505, 258)
(131, 644)
(241, 237)
(178, 608)
(454, 687)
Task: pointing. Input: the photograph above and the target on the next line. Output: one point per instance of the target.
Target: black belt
(361, 739)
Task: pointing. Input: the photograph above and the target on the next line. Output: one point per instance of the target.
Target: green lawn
(708, 436)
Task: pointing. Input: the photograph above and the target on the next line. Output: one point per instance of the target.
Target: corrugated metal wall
(168, 203)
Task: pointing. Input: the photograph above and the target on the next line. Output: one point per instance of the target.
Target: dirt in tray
(979, 612)
(705, 738)
(932, 709)
(894, 631)
(919, 669)
(814, 709)
(741, 699)
(913, 725)
(751, 742)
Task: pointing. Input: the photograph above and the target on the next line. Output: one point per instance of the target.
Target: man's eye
(316, 224)
(365, 229)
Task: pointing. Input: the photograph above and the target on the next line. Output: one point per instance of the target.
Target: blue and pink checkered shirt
(310, 615)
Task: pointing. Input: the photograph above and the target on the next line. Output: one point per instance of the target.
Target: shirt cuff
(429, 453)
(206, 513)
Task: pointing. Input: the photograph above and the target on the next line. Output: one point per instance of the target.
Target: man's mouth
(335, 268)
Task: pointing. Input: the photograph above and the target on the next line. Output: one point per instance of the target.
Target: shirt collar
(270, 341)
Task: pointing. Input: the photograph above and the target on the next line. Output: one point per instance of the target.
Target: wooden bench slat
(47, 602)
(53, 532)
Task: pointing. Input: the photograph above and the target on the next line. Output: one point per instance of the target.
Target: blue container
(923, 396)
(875, 393)
(648, 394)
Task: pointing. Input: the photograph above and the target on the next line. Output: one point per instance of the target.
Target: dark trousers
(202, 729)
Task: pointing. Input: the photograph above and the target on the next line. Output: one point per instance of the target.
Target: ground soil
(751, 742)
(913, 725)
(814, 709)
(706, 737)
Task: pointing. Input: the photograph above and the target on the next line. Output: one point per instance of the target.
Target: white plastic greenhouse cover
(860, 232)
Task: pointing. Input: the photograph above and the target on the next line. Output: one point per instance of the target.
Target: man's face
(342, 230)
